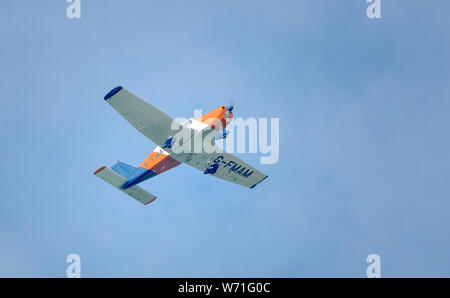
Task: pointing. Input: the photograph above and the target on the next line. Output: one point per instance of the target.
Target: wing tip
(113, 92)
(99, 170)
(150, 201)
(259, 181)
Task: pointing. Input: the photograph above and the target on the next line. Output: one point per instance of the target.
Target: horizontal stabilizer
(118, 181)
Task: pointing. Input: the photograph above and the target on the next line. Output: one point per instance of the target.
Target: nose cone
(230, 108)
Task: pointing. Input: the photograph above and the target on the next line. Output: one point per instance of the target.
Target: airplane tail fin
(123, 169)
(117, 179)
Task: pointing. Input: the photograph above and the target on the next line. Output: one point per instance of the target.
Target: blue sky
(364, 150)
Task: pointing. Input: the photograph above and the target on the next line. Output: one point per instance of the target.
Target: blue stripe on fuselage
(140, 175)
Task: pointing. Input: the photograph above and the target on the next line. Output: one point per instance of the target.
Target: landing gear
(223, 134)
(211, 169)
(168, 143)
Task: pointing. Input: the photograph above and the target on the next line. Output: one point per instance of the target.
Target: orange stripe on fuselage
(217, 118)
(159, 162)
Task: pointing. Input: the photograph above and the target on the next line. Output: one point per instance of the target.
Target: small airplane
(159, 128)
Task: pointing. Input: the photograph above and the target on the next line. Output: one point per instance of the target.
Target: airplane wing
(226, 166)
(151, 122)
